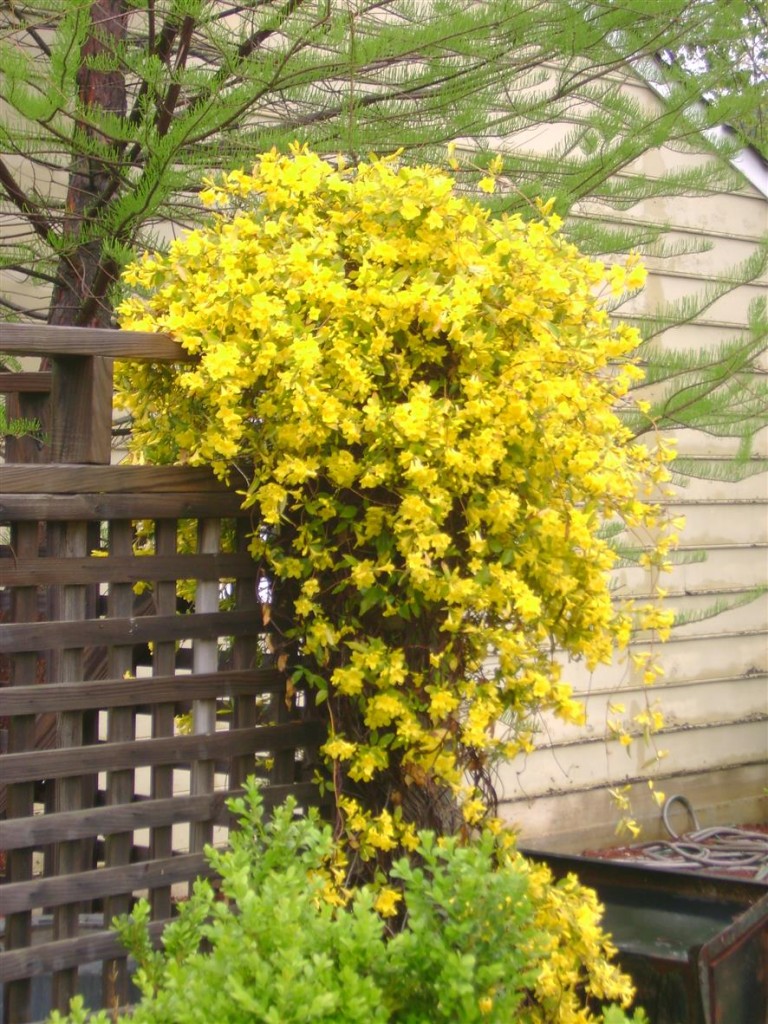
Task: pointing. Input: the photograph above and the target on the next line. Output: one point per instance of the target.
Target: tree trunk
(84, 273)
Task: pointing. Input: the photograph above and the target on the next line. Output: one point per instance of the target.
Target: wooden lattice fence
(131, 712)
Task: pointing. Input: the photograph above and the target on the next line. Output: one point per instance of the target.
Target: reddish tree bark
(84, 272)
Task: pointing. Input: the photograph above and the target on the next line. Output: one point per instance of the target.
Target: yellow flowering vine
(424, 401)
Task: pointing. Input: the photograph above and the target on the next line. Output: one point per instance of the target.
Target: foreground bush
(461, 934)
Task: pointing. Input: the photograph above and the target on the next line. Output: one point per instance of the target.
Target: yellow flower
(387, 901)
(363, 575)
(423, 400)
(339, 749)
(409, 210)
(473, 811)
(442, 703)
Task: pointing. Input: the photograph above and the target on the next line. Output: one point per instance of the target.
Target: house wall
(714, 691)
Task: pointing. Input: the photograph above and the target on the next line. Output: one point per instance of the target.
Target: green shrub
(462, 934)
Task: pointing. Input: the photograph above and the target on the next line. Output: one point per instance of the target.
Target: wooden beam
(43, 636)
(42, 829)
(112, 693)
(33, 572)
(99, 507)
(102, 882)
(56, 956)
(45, 340)
(36, 382)
(69, 761)
(47, 479)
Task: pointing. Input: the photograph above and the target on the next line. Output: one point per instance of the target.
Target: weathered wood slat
(113, 693)
(76, 790)
(244, 654)
(50, 764)
(102, 882)
(36, 382)
(44, 340)
(63, 507)
(34, 572)
(163, 717)
(42, 829)
(121, 728)
(42, 636)
(80, 479)
(205, 657)
(58, 956)
(39, 830)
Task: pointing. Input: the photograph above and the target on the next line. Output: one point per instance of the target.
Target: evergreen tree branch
(28, 271)
(31, 211)
(30, 30)
(257, 39)
(14, 307)
(167, 105)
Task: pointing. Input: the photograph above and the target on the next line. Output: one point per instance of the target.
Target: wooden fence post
(81, 405)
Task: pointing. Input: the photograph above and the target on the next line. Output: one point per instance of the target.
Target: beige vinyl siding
(586, 820)
(714, 692)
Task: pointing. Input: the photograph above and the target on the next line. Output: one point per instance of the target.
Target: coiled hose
(719, 848)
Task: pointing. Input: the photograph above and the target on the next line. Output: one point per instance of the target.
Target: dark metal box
(695, 945)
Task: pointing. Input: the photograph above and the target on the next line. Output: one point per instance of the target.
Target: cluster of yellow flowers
(424, 401)
(580, 954)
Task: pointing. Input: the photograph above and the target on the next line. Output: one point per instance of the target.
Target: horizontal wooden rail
(117, 693)
(69, 761)
(34, 572)
(80, 479)
(36, 382)
(43, 829)
(44, 340)
(43, 636)
(99, 507)
(100, 882)
(57, 956)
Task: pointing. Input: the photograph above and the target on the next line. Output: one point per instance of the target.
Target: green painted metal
(696, 946)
